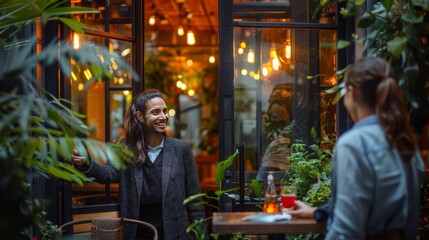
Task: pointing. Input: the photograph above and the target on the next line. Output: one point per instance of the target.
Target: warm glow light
(212, 59)
(76, 43)
(243, 72)
(285, 52)
(101, 58)
(183, 87)
(179, 84)
(180, 30)
(80, 86)
(240, 51)
(273, 52)
(125, 52)
(288, 51)
(126, 92)
(171, 112)
(276, 63)
(189, 62)
(152, 20)
(265, 71)
(179, 76)
(191, 92)
(251, 56)
(73, 76)
(243, 44)
(252, 73)
(190, 37)
(121, 81)
(88, 74)
(256, 76)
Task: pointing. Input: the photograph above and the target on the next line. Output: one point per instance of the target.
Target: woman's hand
(76, 159)
(302, 210)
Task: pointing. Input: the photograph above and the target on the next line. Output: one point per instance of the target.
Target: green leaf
(58, 11)
(359, 2)
(410, 17)
(52, 149)
(387, 4)
(333, 89)
(74, 25)
(257, 188)
(343, 44)
(66, 147)
(397, 45)
(194, 197)
(222, 166)
(366, 20)
(221, 192)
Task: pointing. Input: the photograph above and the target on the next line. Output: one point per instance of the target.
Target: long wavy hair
(378, 90)
(134, 129)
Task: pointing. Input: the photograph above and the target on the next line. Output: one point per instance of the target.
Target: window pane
(114, 17)
(91, 101)
(119, 103)
(125, 50)
(280, 75)
(284, 11)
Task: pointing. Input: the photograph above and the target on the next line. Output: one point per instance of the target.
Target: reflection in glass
(119, 103)
(281, 107)
(90, 99)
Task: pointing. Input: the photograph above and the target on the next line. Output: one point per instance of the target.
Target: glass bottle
(270, 204)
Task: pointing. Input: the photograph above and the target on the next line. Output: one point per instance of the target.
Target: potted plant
(38, 131)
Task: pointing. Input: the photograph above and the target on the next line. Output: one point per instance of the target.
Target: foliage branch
(38, 131)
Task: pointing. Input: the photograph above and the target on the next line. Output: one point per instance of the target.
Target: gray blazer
(179, 181)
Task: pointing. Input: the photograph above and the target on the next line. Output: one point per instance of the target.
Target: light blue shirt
(373, 188)
(154, 152)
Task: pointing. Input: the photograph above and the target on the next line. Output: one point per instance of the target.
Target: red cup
(288, 196)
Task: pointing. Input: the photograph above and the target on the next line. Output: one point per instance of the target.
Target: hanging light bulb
(76, 43)
(276, 63)
(180, 30)
(285, 52)
(190, 37)
(152, 20)
(251, 56)
(212, 59)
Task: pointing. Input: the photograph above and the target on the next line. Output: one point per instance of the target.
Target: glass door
(282, 57)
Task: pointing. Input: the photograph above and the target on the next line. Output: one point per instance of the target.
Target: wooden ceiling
(199, 15)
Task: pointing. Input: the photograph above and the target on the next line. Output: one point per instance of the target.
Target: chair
(110, 228)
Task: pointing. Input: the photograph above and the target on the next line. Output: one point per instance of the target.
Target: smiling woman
(162, 173)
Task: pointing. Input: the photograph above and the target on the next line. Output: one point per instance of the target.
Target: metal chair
(110, 228)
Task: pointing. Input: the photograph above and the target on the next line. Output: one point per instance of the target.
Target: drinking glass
(288, 196)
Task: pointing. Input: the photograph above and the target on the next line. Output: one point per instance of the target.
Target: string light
(152, 20)
(190, 37)
(180, 31)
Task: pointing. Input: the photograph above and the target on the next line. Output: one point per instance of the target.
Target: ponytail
(392, 113)
(380, 91)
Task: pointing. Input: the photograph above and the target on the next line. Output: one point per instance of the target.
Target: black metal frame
(59, 192)
(257, 10)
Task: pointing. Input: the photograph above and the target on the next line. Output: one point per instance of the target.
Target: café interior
(223, 65)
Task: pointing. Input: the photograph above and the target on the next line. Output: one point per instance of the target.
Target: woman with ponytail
(377, 168)
(161, 175)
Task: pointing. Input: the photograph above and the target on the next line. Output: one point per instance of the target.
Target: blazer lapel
(167, 164)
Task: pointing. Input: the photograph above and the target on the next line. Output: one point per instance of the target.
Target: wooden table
(231, 222)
